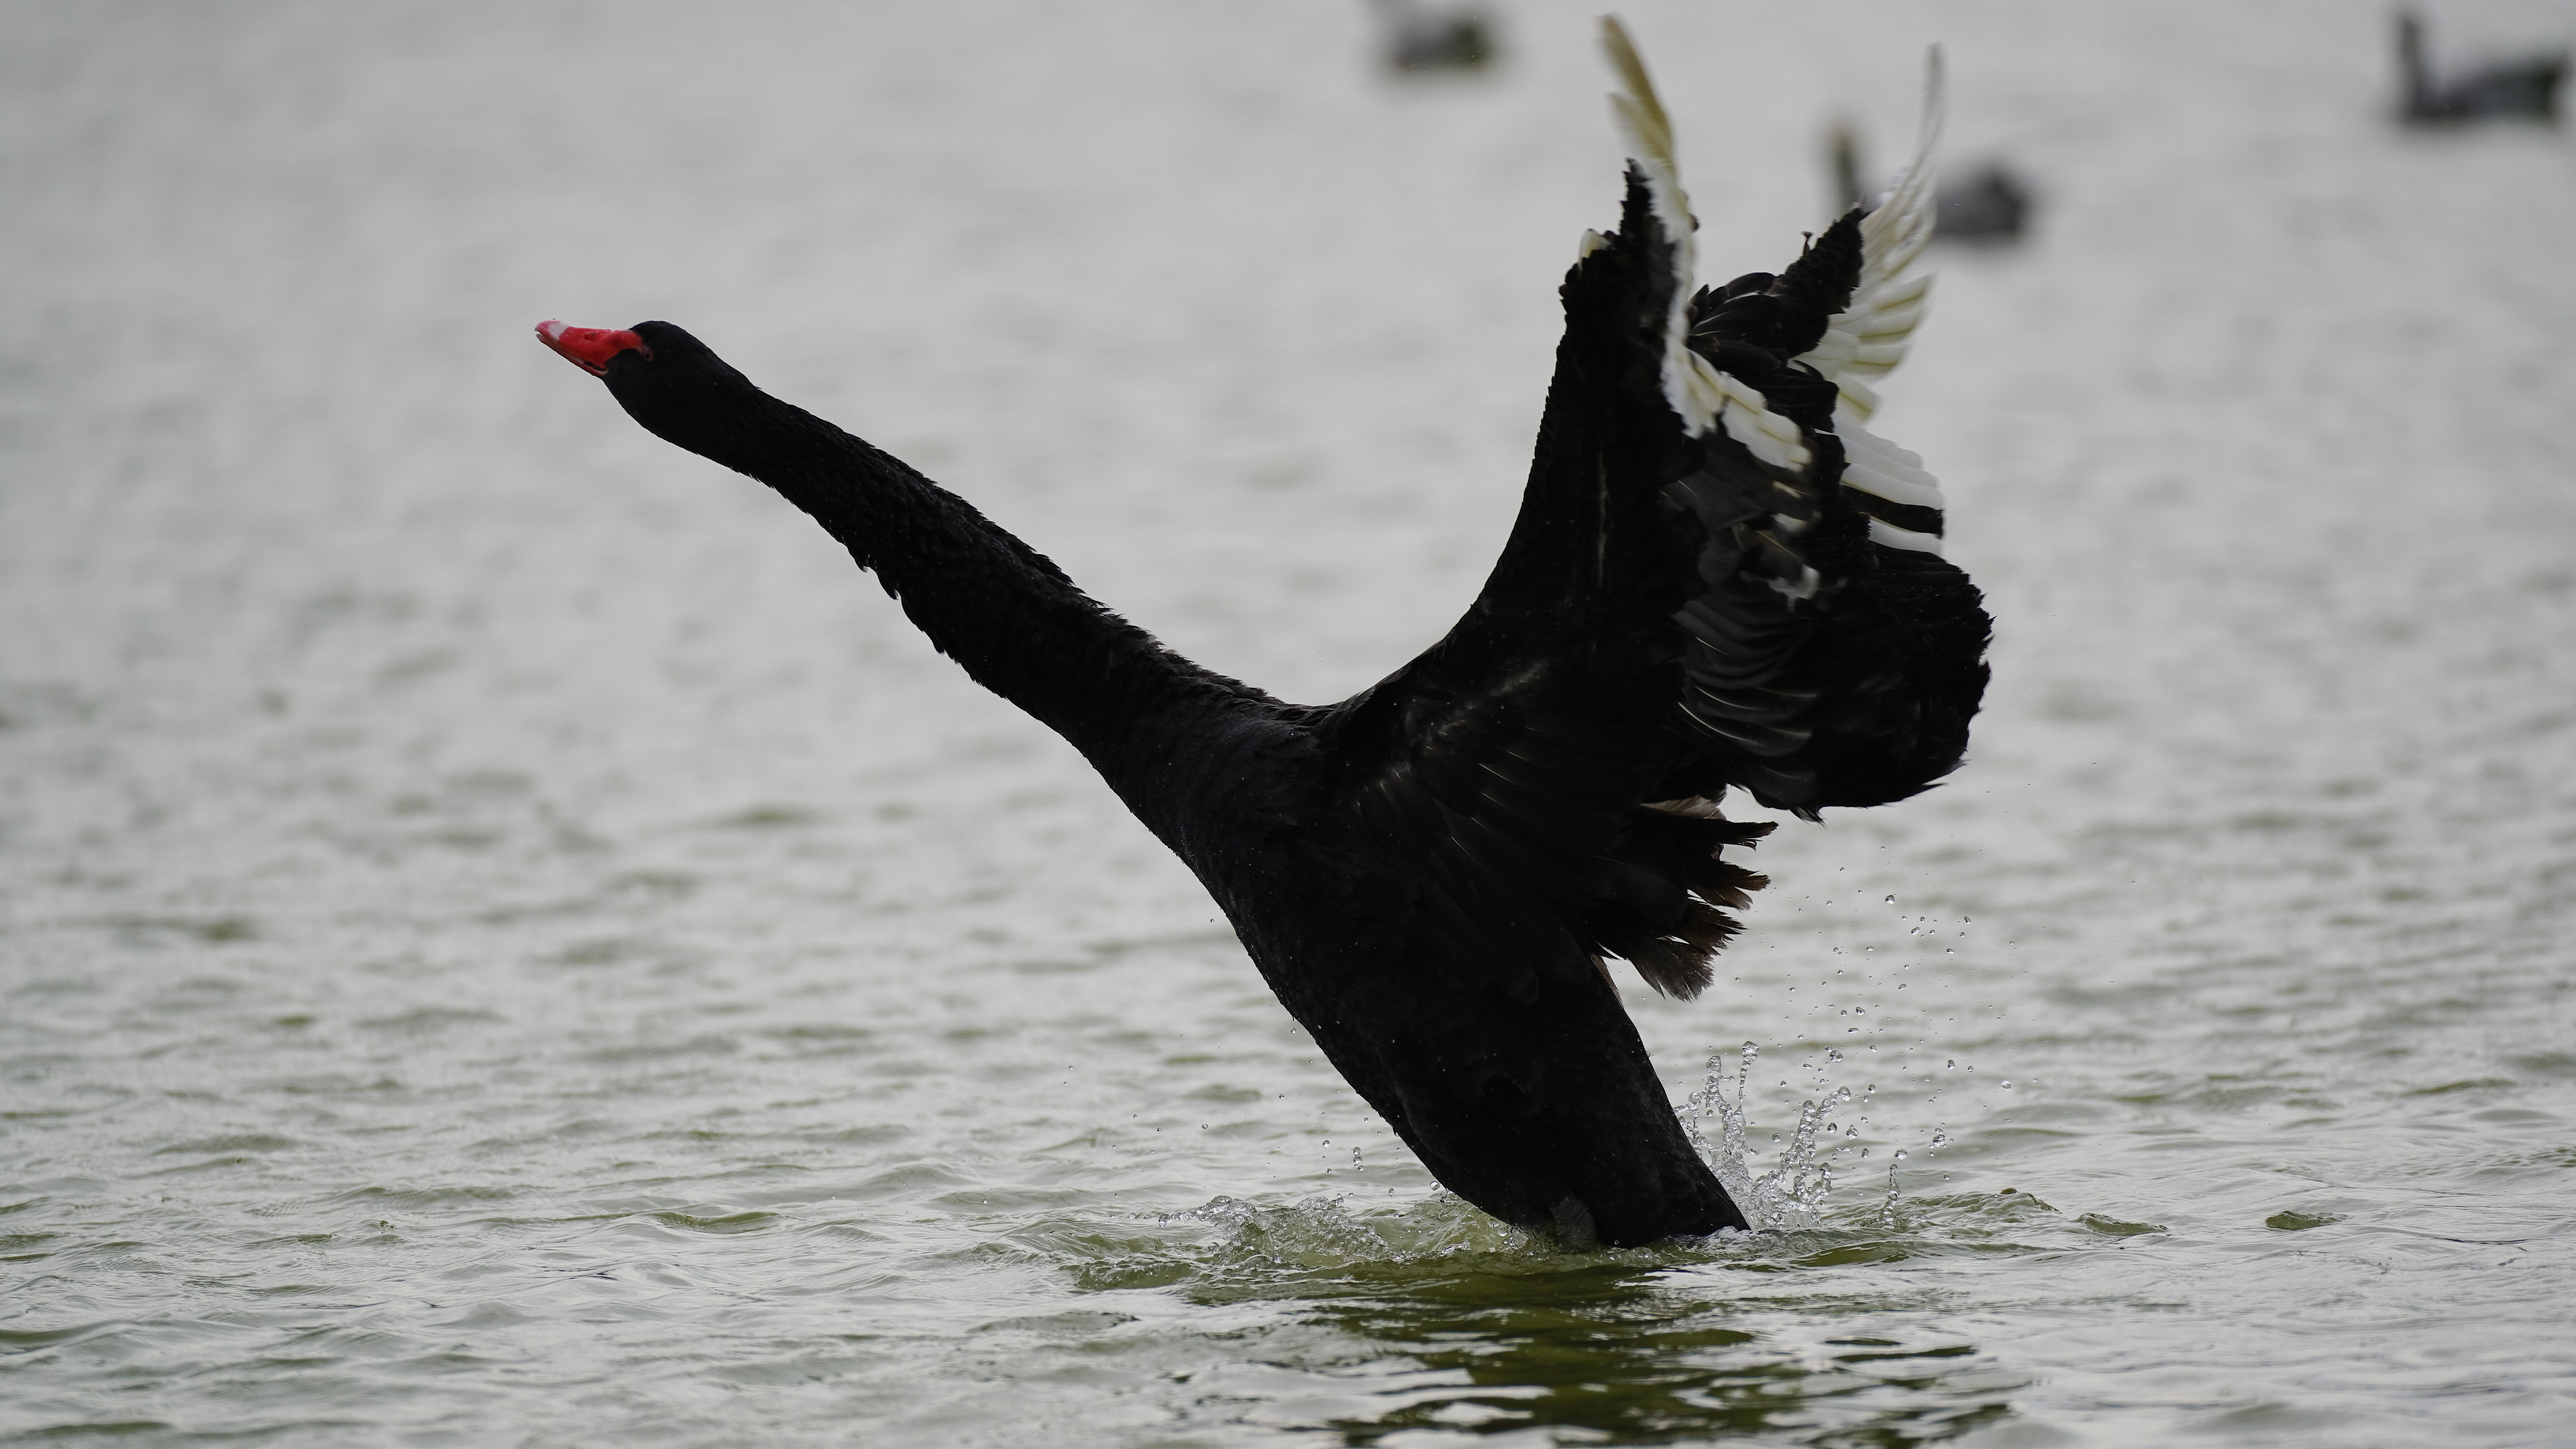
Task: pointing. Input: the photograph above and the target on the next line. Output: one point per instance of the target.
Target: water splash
(1728, 1156)
(1325, 1232)
(1792, 1194)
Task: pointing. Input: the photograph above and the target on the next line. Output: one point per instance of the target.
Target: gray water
(506, 938)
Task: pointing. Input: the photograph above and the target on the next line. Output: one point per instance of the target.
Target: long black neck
(1144, 716)
(2411, 66)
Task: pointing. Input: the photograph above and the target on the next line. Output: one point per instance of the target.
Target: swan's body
(2514, 90)
(1698, 593)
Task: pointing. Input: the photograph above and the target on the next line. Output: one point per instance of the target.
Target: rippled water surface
(505, 937)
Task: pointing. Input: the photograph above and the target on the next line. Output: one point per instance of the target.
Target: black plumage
(1416, 37)
(2511, 90)
(1431, 874)
(1991, 206)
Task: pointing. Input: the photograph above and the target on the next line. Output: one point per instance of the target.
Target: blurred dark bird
(1719, 578)
(1418, 37)
(2515, 90)
(1990, 206)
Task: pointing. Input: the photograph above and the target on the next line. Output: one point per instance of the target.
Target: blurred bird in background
(1989, 206)
(1417, 38)
(2508, 90)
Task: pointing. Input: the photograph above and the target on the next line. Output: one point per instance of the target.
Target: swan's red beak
(590, 348)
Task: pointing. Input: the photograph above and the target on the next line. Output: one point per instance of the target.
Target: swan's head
(650, 356)
(591, 348)
(665, 379)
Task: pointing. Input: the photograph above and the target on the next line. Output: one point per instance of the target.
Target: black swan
(2517, 90)
(1418, 38)
(1991, 206)
(1717, 578)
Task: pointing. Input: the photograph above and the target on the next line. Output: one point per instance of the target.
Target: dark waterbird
(1718, 579)
(1417, 37)
(1991, 205)
(2512, 90)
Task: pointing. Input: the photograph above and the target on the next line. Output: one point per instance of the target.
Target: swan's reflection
(1621, 1355)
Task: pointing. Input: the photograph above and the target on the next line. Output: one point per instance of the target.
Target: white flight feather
(1748, 419)
(1698, 394)
(1888, 535)
(1649, 134)
(1876, 466)
(1867, 338)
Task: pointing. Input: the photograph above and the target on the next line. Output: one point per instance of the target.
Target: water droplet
(1900, 1154)
(2007, 1086)
(1891, 900)
(1952, 1062)
(1860, 1011)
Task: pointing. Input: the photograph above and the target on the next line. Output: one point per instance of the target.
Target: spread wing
(1852, 681)
(1690, 599)
(1866, 338)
